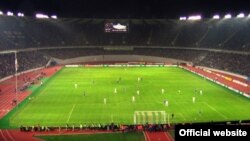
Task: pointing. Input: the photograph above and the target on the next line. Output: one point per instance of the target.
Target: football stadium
(121, 79)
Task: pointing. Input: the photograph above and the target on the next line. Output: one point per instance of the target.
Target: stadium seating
(231, 62)
(26, 61)
(28, 32)
(193, 41)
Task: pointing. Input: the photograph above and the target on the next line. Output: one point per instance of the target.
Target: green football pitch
(59, 101)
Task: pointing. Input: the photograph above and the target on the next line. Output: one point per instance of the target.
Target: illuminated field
(58, 102)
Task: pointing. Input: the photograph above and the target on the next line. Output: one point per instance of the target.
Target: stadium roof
(126, 8)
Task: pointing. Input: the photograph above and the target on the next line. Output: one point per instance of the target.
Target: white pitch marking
(71, 112)
(211, 107)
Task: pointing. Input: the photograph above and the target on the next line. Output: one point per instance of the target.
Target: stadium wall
(117, 58)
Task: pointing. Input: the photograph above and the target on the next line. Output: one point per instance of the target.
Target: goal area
(150, 117)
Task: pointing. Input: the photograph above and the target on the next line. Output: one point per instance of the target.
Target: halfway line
(71, 112)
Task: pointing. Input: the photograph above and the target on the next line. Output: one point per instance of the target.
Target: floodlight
(216, 17)
(241, 15)
(195, 17)
(9, 13)
(53, 17)
(228, 16)
(41, 16)
(183, 18)
(20, 14)
(1, 13)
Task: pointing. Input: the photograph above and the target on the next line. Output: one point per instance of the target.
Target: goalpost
(150, 117)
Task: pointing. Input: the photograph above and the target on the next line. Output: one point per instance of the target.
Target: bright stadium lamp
(19, 14)
(194, 18)
(53, 17)
(241, 15)
(9, 13)
(41, 16)
(228, 16)
(1, 13)
(216, 17)
(183, 18)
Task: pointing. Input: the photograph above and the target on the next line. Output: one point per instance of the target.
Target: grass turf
(135, 136)
(58, 102)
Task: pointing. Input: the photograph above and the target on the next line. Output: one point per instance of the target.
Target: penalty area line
(211, 107)
(71, 112)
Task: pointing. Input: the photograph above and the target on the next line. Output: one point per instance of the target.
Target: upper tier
(27, 32)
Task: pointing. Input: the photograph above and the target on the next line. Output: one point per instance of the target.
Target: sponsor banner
(240, 83)
(123, 65)
(246, 95)
(72, 66)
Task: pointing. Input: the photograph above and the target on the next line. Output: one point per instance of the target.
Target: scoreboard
(116, 27)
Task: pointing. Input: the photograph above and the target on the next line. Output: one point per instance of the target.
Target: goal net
(150, 117)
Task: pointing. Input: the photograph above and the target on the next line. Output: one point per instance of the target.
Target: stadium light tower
(183, 18)
(10, 13)
(241, 15)
(216, 17)
(194, 18)
(228, 16)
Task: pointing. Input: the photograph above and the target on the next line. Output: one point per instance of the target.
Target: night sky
(127, 8)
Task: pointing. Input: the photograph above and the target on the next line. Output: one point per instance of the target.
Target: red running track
(16, 135)
(220, 79)
(7, 93)
(157, 136)
(232, 76)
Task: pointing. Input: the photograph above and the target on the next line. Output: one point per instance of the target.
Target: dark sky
(127, 8)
